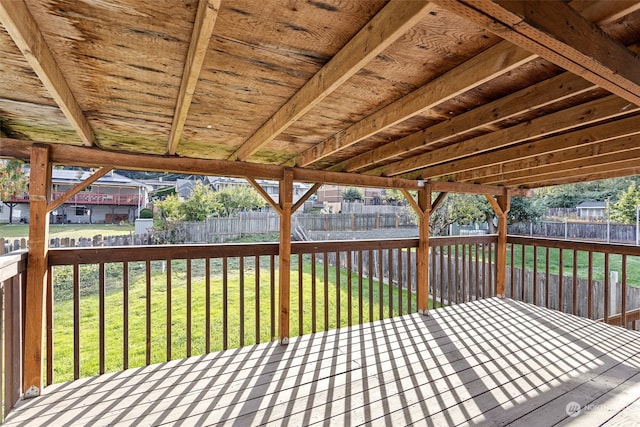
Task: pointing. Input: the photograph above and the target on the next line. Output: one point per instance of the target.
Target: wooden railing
(89, 198)
(13, 268)
(595, 280)
(116, 308)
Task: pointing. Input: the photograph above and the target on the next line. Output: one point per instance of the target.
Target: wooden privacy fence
(602, 231)
(13, 269)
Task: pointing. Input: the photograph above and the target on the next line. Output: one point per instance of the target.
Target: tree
(230, 201)
(352, 194)
(461, 209)
(392, 197)
(525, 209)
(625, 210)
(13, 181)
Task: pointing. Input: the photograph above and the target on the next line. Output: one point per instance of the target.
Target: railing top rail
(69, 256)
(12, 263)
(581, 245)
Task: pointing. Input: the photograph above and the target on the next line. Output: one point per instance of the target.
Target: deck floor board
(488, 362)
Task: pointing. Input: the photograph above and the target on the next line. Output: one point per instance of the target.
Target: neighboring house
(592, 209)
(333, 194)
(111, 199)
(270, 187)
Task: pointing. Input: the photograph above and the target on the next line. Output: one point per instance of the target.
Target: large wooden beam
(91, 157)
(600, 133)
(580, 115)
(24, 31)
(565, 162)
(284, 255)
(492, 63)
(202, 29)
(387, 26)
(39, 195)
(552, 161)
(528, 99)
(489, 64)
(558, 33)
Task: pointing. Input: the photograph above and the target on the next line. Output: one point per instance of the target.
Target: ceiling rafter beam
(580, 115)
(614, 171)
(489, 64)
(527, 99)
(394, 20)
(23, 29)
(202, 30)
(521, 168)
(572, 140)
(441, 89)
(541, 27)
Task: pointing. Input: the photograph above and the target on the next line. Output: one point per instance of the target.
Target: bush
(146, 213)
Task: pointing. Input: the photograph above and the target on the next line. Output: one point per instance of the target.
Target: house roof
(592, 205)
(521, 94)
(62, 176)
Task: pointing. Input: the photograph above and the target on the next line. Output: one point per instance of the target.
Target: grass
(72, 231)
(241, 328)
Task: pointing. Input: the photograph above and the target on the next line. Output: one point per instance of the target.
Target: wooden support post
(286, 203)
(501, 206)
(39, 195)
(424, 202)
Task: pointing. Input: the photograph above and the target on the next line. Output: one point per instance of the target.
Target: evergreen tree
(625, 210)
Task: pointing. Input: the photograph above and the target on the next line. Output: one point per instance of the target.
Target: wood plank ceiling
(520, 94)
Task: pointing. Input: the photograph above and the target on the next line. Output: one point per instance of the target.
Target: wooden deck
(489, 362)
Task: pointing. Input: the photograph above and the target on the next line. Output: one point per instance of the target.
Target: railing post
(424, 202)
(40, 191)
(501, 206)
(286, 202)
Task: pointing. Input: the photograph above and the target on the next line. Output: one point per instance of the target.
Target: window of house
(81, 211)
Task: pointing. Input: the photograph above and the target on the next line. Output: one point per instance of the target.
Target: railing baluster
(434, 278)
(399, 282)
(101, 326)
(325, 277)
(76, 322)
(606, 287)
(442, 276)
(370, 285)
(225, 303)
(169, 308)
(575, 282)
(547, 277)
(349, 290)
(189, 314)
(535, 274)
(513, 271)
(314, 295)
(380, 285)
(257, 295)
(465, 272)
(457, 274)
(590, 286)
(360, 287)
(241, 272)
(390, 299)
(125, 315)
(207, 302)
(450, 279)
(338, 323)
(623, 293)
(300, 297)
(148, 312)
(49, 311)
(272, 279)
(560, 305)
(484, 271)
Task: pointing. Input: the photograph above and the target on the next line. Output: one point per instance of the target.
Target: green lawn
(72, 231)
(89, 326)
